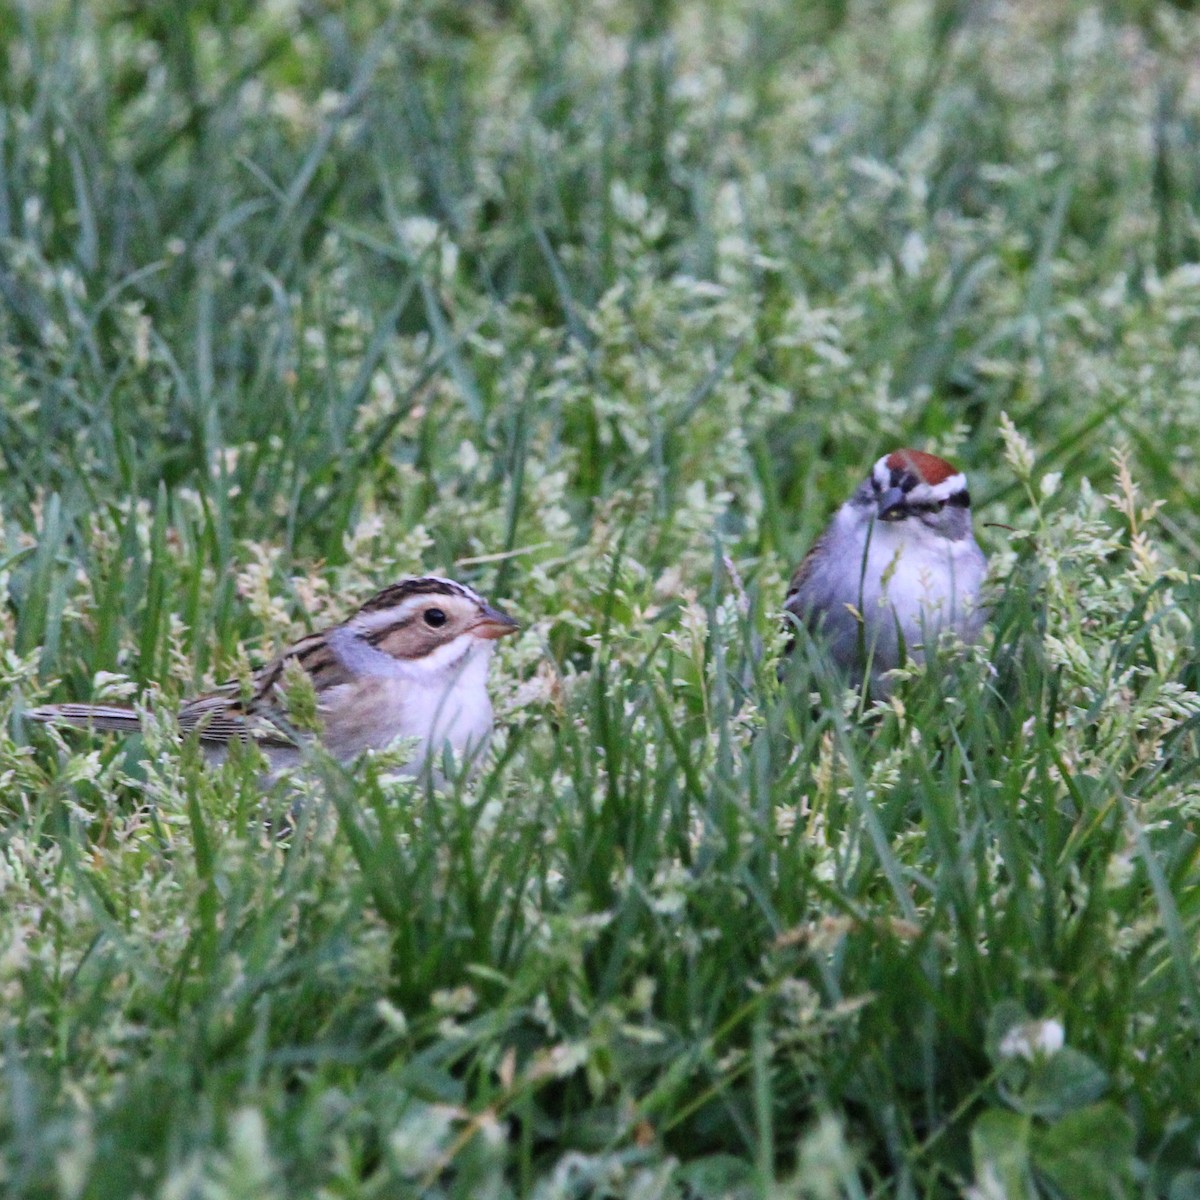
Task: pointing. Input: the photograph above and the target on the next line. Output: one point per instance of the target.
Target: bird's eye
(435, 617)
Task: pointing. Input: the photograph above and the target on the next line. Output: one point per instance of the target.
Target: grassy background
(578, 301)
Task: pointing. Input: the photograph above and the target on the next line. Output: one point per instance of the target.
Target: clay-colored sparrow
(412, 662)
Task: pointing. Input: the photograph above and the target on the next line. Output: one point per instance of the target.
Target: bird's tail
(88, 716)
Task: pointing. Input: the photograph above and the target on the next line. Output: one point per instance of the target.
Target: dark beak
(893, 505)
(492, 623)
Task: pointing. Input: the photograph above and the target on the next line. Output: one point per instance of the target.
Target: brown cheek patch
(929, 467)
(413, 639)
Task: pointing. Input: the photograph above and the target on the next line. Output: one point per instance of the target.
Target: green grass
(579, 302)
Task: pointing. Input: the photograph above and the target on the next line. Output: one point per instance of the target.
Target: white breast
(439, 700)
(913, 584)
(452, 706)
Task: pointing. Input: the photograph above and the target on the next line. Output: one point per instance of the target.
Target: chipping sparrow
(896, 565)
(411, 662)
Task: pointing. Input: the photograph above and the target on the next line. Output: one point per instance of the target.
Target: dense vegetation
(601, 307)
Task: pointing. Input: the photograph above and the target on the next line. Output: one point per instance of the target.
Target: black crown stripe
(398, 592)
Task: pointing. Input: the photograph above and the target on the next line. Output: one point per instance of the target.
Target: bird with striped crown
(412, 662)
(897, 565)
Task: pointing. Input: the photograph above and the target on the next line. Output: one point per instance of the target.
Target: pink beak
(493, 623)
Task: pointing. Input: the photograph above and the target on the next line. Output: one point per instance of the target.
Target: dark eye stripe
(956, 500)
(377, 635)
